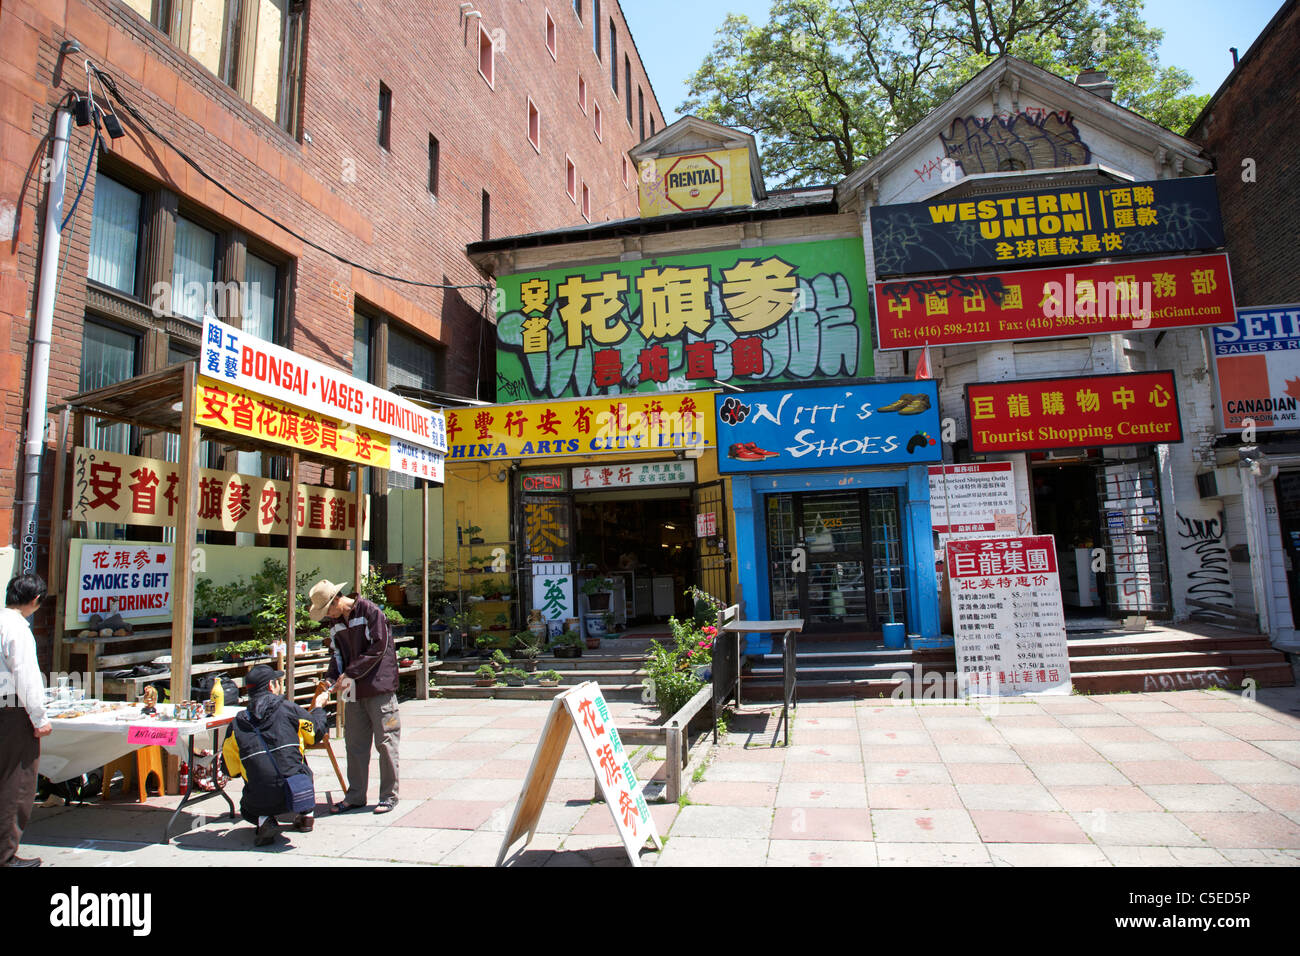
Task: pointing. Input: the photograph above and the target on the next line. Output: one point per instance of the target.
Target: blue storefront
(830, 493)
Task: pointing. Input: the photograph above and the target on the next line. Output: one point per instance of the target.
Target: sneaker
(17, 861)
(760, 452)
(304, 823)
(899, 405)
(915, 407)
(266, 833)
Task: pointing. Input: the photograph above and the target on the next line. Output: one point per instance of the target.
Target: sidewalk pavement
(1188, 778)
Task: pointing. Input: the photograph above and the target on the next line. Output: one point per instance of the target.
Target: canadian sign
(1140, 294)
(839, 426)
(1258, 364)
(623, 424)
(1047, 225)
(1135, 408)
(1007, 617)
(133, 580)
(258, 366)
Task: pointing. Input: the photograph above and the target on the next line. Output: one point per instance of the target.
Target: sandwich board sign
(583, 708)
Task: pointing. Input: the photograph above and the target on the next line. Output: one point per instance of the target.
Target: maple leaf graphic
(1293, 388)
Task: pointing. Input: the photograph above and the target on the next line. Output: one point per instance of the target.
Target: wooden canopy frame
(164, 401)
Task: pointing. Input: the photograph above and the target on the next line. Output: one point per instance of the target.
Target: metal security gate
(712, 558)
(1132, 532)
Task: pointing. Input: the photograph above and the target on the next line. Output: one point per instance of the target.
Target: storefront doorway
(1065, 506)
(835, 559)
(1288, 507)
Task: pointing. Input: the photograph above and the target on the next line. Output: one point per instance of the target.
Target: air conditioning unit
(1219, 483)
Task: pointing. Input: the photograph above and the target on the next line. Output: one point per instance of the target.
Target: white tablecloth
(81, 744)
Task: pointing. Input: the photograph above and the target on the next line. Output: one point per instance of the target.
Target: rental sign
(255, 365)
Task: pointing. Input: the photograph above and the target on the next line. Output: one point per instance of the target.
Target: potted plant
(500, 622)
(568, 644)
(499, 661)
(528, 648)
(471, 532)
(549, 678)
(406, 655)
(514, 677)
(599, 591)
(485, 676)
(484, 644)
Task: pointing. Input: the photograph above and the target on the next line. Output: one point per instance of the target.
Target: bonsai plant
(599, 591)
(485, 676)
(528, 648)
(514, 677)
(471, 532)
(500, 623)
(499, 660)
(549, 678)
(407, 654)
(567, 644)
(484, 644)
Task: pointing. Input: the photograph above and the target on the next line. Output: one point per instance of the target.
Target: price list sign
(1008, 623)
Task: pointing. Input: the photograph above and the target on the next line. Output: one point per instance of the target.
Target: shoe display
(900, 404)
(919, 404)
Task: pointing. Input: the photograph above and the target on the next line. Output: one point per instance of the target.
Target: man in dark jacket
(265, 746)
(363, 666)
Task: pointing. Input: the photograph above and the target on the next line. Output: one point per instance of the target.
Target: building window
(613, 57)
(114, 235)
(108, 356)
(595, 27)
(586, 203)
(193, 269)
(577, 8)
(385, 116)
(625, 182)
(486, 57)
(570, 179)
(640, 108)
(261, 287)
(550, 35)
(627, 88)
(413, 362)
(361, 339)
(595, 107)
(582, 93)
(253, 46)
(433, 164)
(652, 124)
(534, 127)
(487, 215)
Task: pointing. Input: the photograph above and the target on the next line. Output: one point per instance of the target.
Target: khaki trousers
(372, 720)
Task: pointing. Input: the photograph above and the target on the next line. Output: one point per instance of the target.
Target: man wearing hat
(265, 747)
(363, 667)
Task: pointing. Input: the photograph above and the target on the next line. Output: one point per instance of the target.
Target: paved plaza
(1189, 778)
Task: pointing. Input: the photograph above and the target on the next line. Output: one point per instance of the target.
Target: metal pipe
(39, 378)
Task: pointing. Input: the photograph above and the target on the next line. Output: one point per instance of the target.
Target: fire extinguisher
(184, 777)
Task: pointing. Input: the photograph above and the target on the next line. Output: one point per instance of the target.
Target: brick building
(333, 151)
(1256, 479)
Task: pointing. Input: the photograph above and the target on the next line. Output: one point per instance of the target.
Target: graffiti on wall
(1026, 140)
(1202, 538)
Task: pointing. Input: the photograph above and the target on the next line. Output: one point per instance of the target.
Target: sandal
(385, 806)
(343, 806)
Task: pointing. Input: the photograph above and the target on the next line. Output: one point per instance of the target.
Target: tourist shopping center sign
(1047, 225)
(1134, 295)
(1257, 361)
(1007, 618)
(832, 426)
(1133, 408)
(619, 424)
(790, 313)
(127, 489)
(256, 366)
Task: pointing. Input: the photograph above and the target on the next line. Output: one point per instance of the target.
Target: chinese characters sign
(627, 424)
(125, 489)
(769, 314)
(1047, 225)
(586, 705)
(1258, 365)
(244, 361)
(828, 427)
(970, 501)
(1109, 297)
(553, 590)
(1135, 408)
(1007, 618)
(638, 475)
(415, 460)
(134, 580)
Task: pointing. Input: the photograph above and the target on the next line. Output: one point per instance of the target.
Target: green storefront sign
(793, 313)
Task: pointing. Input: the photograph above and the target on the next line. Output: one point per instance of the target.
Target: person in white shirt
(22, 715)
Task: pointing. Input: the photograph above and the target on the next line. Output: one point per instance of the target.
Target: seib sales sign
(1257, 361)
(247, 362)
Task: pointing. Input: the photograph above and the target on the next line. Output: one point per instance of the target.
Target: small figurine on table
(150, 701)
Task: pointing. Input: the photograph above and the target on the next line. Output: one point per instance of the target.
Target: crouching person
(265, 747)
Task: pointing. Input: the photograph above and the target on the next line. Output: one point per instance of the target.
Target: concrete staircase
(617, 666)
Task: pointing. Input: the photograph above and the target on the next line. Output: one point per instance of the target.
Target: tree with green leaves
(825, 85)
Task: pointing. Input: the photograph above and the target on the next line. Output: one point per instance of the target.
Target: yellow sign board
(598, 424)
(233, 409)
(693, 182)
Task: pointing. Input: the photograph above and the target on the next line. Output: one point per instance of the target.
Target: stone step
(603, 677)
(457, 692)
(1192, 678)
(1138, 643)
(1176, 661)
(551, 663)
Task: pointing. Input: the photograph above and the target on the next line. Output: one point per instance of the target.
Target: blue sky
(673, 36)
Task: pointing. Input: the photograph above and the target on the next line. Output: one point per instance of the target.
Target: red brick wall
(1256, 118)
(340, 189)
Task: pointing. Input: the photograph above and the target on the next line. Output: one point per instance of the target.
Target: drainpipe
(37, 392)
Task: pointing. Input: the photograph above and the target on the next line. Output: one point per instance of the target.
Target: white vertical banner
(553, 590)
